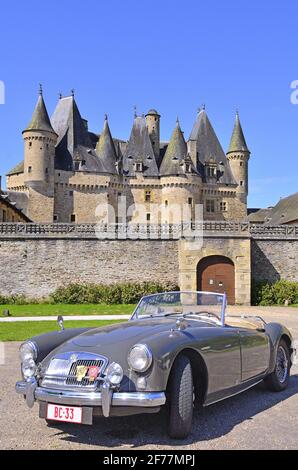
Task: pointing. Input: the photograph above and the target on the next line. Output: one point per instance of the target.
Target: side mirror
(60, 322)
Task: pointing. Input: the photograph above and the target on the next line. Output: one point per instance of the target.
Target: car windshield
(203, 304)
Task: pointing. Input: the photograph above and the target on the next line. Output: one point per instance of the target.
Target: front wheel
(180, 399)
(278, 380)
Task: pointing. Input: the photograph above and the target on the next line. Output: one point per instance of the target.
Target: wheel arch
(199, 372)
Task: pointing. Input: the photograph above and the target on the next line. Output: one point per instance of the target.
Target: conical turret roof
(139, 149)
(209, 148)
(40, 120)
(238, 143)
(175, 154)
(105, 149)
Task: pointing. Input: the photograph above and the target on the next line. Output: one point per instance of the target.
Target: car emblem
(81, 372)
(93, 372)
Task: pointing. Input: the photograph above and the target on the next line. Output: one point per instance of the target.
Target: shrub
(264, 293)
(126, 293)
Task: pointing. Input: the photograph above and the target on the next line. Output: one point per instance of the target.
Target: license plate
(67, 414)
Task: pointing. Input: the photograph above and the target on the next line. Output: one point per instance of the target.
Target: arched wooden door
(217, 274)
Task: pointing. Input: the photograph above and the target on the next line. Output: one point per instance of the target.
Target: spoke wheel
(278, 380)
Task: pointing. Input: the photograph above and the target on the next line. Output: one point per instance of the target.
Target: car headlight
(28, 368)
(114, 373)
(28, 350)
(140, 358)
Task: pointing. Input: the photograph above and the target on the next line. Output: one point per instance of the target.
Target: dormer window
(187, 168)
(211, 170)
(77, 166)
(139, 166)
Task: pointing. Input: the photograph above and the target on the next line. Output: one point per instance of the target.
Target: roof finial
(40, 89)
(60, 96)
(106, 117)
(177, 121)
(135, 111)
(203, 106)
(237, 112)
(72, 92)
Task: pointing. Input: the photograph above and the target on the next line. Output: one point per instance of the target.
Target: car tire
(181, 399)
(278, 380)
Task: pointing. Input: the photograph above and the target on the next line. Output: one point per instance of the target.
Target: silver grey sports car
(178, 349)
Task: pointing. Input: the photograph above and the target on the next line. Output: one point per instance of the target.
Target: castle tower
(39, 163)
(105, 149)
(153, 125)
(238, 156)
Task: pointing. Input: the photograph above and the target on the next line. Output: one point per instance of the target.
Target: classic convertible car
(177, 350)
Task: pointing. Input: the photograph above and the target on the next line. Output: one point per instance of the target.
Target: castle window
(210, 205)
(223, 206)
(73, 218)
(4, 217)
(241, 183)
(148, 216)
(29, 169)
(241, 163)
(148, 195)
(30, 144)
(166, 203)
(55, 217)
(139, 166)
(190, 201)
(71, 193)
(76, 166)
(47, 171)
(187, 168)
(211, 171)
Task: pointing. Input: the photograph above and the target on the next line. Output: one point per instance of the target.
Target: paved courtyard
(256, 419)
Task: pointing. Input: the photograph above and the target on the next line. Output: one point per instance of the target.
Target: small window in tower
(188, 168)
(166, 203)
(47, 171)
(241, 163)
(77, 166)
(30, 144)
(71, 193)
(55, 217)
(29, 169)
(241, 183)
(223, 206)
(139, 167)
(148, 216)
(73, 218)
(210, 205)
(47, 146)
(148, 195)
(190, 201)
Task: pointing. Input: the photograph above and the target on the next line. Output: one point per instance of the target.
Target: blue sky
(169, 55)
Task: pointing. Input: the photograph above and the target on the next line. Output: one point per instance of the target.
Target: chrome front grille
(85, 382)
(63, 370)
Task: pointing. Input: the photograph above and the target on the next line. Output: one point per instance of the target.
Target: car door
(255, 353)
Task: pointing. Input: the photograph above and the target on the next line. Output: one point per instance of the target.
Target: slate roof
(40, 120)
(172, 162)
(209, 147)
(19, 168)
(139, 149)
(74, 140)
(17, 202)
(105, 149)
(285, 211)
(238, 143)
(259, 216)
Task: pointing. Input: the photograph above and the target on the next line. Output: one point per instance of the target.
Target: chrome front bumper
(105, 399)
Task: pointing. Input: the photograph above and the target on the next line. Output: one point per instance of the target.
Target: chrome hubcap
(281, 365)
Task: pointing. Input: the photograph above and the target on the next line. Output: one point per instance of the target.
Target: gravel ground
(256, 419)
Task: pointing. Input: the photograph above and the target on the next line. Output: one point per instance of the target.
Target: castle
(68, 171)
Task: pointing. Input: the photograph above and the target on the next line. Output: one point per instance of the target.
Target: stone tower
(153, 125)
(238, 156)
(39, 163)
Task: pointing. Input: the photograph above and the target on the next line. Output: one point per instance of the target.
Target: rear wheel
(181, 399)
(278, 380)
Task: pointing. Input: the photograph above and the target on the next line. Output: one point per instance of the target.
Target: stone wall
(37, 267)
(274, 259)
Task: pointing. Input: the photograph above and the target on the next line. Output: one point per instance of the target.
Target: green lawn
(39, 310)
(21, 330)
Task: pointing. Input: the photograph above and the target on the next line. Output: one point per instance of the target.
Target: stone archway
(217, 274)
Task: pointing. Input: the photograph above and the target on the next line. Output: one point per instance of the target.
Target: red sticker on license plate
(67, 414)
